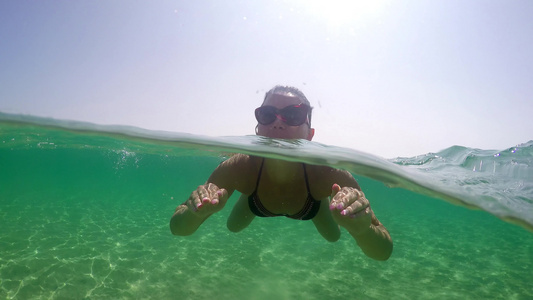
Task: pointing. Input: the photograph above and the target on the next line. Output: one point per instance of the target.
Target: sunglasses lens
(265, 115)
(294, 115)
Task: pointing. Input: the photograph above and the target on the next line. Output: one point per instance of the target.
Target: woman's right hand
(207, 199)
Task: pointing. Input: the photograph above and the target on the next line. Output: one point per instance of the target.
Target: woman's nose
(279, 123)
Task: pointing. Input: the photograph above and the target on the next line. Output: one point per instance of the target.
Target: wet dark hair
(292, 91)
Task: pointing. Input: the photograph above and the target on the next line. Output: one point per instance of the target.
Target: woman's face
(279, 129)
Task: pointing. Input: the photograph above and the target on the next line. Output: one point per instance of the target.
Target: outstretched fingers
(216, 195)
(207, 197)
(202, 198)
(357, 209)
(348, 201)
(341, 197)
(222, 196)
(335, 202)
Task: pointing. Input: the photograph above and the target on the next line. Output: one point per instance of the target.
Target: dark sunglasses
(293, 115)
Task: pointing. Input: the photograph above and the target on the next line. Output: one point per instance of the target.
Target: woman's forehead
(282, 100)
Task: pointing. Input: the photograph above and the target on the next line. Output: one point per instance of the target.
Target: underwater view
(85, 213)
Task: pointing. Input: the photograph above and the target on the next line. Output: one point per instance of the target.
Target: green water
(85, 215)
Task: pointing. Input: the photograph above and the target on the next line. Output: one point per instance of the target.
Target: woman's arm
(351, 210)
(375, 241)
(324, 223)
(202, 203)
(211, 197)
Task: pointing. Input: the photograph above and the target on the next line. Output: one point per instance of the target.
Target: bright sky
(391, 78)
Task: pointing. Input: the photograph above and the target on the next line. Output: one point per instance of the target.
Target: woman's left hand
(350, 209)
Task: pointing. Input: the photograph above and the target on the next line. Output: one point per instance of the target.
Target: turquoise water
(85, 211)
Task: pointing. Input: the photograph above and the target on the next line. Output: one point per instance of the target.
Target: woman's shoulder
(240, 165)
(326, 176)
(241, 160)
(237, 172)
(326, 171)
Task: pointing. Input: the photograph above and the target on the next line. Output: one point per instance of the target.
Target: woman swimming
(272, 187)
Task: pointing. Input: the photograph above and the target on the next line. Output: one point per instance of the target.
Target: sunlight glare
(339, 13)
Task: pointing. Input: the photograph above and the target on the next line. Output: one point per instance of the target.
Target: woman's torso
(284, 188)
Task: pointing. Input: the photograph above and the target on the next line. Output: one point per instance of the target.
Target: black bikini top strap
(306, 180)
(259, 174)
